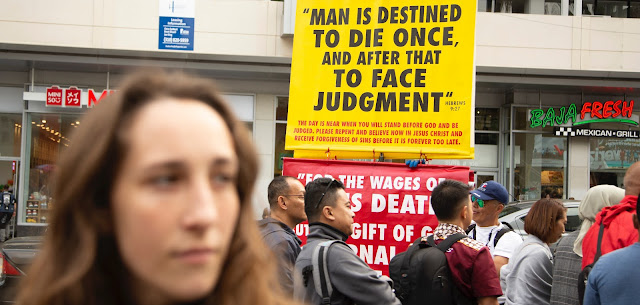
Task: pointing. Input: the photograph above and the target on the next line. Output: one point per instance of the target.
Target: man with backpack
(469, 261)
(327, 270)
(7, 209)
(488, 201)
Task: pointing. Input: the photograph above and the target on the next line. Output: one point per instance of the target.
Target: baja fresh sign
(591, 112)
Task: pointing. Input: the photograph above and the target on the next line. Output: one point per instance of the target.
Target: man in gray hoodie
(330, 217)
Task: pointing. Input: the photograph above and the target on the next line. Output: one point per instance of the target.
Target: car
(515, 212)
(17, 255)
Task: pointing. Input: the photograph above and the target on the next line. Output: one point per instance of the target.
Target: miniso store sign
(74, 97)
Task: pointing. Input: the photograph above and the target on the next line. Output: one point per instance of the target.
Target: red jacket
(618, 230)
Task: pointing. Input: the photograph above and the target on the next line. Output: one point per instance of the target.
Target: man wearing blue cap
(488, 201)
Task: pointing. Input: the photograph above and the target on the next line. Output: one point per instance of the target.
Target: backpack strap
(321, 279)
(471, 228)
(598, 250)
(447, 243)
(502, 231)
(506, 224)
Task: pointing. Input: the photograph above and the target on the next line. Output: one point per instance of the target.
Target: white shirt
(505, 246)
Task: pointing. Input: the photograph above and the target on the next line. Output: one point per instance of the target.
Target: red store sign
(74, 97)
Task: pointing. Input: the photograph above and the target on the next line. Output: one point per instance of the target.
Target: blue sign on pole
(175, 33)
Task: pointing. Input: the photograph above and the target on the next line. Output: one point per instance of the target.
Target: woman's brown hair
(542, 218)
(79, 262)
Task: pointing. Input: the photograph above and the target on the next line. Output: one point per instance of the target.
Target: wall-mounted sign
(175, 31)
(392, 77)
(587, 132)
(590, 112)
(74, 97)
(392, 202)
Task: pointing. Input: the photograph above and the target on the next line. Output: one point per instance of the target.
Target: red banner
(392, 202)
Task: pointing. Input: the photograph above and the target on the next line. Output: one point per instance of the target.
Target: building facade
(529, 55)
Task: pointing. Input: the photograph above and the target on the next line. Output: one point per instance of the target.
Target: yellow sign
(395, 77)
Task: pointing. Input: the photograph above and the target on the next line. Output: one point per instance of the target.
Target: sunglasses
(323, 193)
(477, 200)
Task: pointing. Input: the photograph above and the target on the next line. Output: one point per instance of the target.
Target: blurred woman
(152, 205)
(528, 276)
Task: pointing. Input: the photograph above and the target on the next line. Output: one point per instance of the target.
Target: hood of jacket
(608, 214)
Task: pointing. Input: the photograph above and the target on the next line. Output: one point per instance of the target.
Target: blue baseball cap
(491, 190)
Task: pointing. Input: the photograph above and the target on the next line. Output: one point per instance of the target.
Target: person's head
(451, 203)
(326, 201)
(597, 197)
(546, 220)
(488, 201)
(286, 200)
(5, 188)
(632, 180)
(153, 212)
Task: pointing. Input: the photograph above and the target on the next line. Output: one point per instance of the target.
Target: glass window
(540, 163)
(10, 134)
(588, 7)
(552, 7)
(487, 119)
(634, 9)
(280, 152)
(282, 109)
(48, 136)
(487, 138)
(610, 158)
(612, 8)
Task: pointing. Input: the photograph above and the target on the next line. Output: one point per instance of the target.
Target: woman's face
(174, 201)
(558, 229)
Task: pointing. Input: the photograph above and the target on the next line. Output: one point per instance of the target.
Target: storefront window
(487, 128)
(487, 119)
(48, 136)
(611, 157)
(282, 109)
(10, 134)
(539, 166)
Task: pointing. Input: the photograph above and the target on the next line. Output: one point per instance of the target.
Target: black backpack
(421, 274)
(502, 231)
(583, 277)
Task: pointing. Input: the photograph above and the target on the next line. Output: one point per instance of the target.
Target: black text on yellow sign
(381, 65)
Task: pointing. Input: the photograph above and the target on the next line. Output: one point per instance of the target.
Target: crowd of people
(160, 212)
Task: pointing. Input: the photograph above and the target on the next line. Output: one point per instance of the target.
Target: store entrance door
(9, 169)
(482, 177)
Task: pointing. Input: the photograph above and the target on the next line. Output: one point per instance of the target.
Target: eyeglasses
(477, 200)
(299, 196)
(323, 193)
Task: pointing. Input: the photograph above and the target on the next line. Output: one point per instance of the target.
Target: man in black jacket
(286, 201)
